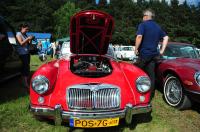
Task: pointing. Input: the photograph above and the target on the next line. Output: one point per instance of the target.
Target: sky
(190, 2)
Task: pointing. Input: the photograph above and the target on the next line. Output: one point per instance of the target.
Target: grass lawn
(15, 116)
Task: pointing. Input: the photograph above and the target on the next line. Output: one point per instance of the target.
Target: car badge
(94, 88)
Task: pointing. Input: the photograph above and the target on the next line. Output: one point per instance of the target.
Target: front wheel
(173, 93)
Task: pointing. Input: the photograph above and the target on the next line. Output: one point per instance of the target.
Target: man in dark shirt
(149, 34)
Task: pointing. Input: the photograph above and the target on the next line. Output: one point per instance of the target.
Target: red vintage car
(179, 72)
(90, 89)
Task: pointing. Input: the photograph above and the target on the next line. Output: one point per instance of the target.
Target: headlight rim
(196, 75)
(40, 77)
(138, 79)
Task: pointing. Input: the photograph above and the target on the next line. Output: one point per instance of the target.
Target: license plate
(92, 123)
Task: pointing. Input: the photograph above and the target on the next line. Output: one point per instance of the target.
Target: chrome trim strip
(58, 116)
(40, 111)
(128, 116)
(98, 115)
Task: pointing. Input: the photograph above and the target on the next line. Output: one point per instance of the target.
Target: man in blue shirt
(149, 34)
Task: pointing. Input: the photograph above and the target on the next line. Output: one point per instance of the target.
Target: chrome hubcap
(173, 91)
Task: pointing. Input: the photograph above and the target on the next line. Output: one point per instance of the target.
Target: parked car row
(88, 87)
(91, 88)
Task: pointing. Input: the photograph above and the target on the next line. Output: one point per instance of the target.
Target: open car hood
(90, 32)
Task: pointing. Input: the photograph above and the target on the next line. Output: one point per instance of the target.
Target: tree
(181, 22)
(38, 13)
(62, 19)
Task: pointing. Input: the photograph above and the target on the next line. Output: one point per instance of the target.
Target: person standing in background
(53, 46)
(46, 46)
(149, 34)
(23, 50)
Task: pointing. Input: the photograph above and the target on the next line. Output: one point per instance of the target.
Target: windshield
(178, 50)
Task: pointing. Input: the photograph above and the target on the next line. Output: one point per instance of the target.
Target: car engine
(90, 66)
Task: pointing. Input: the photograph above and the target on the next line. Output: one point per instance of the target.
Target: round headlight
(40, 84)
(197, 77)
(143, 84)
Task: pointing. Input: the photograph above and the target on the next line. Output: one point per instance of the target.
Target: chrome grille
(93, 96)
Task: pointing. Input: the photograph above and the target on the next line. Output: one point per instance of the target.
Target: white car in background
(65, 51)
(125, 52)
(198, 50)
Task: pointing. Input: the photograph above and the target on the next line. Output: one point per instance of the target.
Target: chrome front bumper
(59, 115)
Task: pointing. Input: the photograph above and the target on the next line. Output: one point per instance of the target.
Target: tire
(174, 94)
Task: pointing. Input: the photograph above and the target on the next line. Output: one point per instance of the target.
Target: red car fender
(132, 73)
(187, 79)
(50, 71)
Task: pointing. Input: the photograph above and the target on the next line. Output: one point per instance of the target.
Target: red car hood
(187, 62)
(65, 73)
(90, 32)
